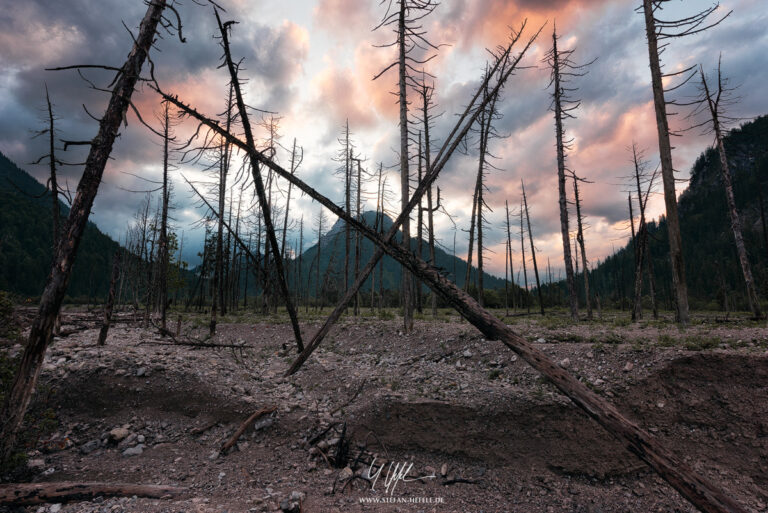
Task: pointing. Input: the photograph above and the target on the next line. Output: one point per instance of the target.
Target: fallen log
(21, 494)
(250, 420)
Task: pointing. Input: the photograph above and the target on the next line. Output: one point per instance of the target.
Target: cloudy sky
(312, 61)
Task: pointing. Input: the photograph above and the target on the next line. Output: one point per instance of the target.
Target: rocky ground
(482, 430)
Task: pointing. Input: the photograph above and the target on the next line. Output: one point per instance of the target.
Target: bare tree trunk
(573, 300)
(509, 254)
(419, 230)
(358, 241)
(163, 278)
(110, 299)
(265, 207)
(580, 239)
(472, 221)
(41, 333)
(348, 203)
(405, 189)
(430, 208)
(54, 187)
(667, 169)
(525, 270)
(533, 251)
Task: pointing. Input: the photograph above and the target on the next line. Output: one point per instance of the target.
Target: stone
(598, 382)
(118, 434)
(141, 439)
(628, 367)
(55, 508)
(345, 474)
(89, 447)
(36, 464)
(134, 451)
(444, 470)
(565, 363)
(141, 371)
(467, 354)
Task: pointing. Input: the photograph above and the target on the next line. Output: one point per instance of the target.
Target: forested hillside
(711, 263)
(25, 240)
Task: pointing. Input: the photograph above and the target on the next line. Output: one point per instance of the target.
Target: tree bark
(667, 169)
(41, 333)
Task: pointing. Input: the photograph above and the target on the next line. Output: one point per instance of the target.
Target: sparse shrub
(667, 341)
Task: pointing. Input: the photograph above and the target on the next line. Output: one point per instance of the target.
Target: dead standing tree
(263, 203)
(41, 333)
(699, 491)
(580, 240)
(406, 20)
(658, 30)
(714, 101)
(564, 69)
(533, 249)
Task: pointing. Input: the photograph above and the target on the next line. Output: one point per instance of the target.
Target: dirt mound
(100, 395)
(704, 398)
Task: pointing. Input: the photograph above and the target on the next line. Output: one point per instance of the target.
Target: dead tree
(658, 31)
(163, 240)
(700, 492)
(41, 332)
(265, 206)
(533, 250)
(509, 269)
(563, 69)
(580, 240)
(426, 105)
(522, 248)
(406, 20)
(715, 100)
(110, 299)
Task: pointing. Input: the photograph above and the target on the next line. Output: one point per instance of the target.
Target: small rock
(467, 354)
(565, 363)
(628, 367)
(345, 474)
(134, 451)
(118, 434)
(141, 439)
(37, 464)
(89, 447)
(598, 382)
(288, 506)
(540, 340)
(444, 470)
(55, 508)
(141, 371)
(297, 496)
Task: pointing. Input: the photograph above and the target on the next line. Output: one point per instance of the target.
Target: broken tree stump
(21, 494)
(110, 299)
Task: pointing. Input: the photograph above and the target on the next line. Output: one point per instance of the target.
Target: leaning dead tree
(563, 69)
(263, 203)
(699, 491)
(714, 100)
(659, 31)
(533, 249)
(410, 42)
(41, 332)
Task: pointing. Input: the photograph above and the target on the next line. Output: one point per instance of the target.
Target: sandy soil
(495, 435)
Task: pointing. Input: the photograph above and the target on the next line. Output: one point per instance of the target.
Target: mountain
(712, 268)
(331, 272)
(25, 240)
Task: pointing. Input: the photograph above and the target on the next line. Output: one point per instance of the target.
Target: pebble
(141, 371)
(134, 451)
(89, 447)
(55, 508)
(565, 363)
(118, 434)
(628, 367)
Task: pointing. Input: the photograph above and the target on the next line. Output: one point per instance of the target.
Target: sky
(313, 61)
